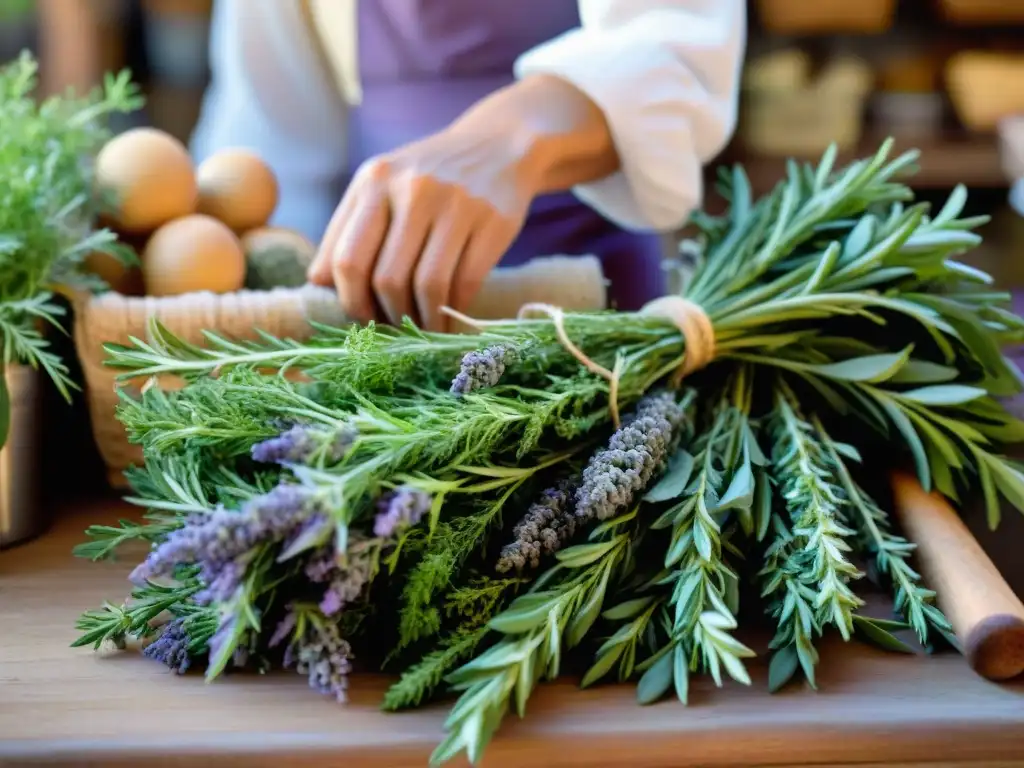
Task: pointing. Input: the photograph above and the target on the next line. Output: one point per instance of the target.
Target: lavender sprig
(171, 647)
(634, 453)
(301, 443)
(346, 579)
(400, 510)
(547, 526)
(482, 368)
(221, 541)
(316, 650)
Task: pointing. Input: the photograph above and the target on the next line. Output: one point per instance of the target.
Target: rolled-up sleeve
(271, 93)
(665, 74)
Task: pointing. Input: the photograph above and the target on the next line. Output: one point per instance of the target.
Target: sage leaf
(912, 439)
(602, 666)
(681, 673)
(782, 667)
(583, 555)
(516, 620)
(875, 633)
(993, 510)
(1008, 480)
(673, 482)
(655, 682)
(924, 372)
(628, 609)
(871, 369)
(944, 394)
(740, 493)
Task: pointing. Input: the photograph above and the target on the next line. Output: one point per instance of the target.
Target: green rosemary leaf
(876, 634)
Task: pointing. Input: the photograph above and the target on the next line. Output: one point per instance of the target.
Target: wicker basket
(813, 16)
(983, 11)
(985, 88)
(786, 114)
(575, 283)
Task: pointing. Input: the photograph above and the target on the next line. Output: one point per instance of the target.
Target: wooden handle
(987, 617)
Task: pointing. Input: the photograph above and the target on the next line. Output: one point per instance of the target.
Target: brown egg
(194, 253)
(237, 188)
(149, 178)
(121, 278)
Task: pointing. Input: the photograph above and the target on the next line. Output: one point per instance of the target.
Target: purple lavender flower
(482, 368)
(220, 541)
(223, 583)
(546, 527)
(345, 582)
(284, 628)
(399, 510)
(634, 453)
(323, 655)
(299, 443)
(171, 647)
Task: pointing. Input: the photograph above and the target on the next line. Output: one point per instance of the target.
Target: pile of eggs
(195, 229)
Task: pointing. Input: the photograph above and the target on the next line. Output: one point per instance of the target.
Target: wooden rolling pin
(987, 617)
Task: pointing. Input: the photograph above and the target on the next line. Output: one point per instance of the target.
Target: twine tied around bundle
(689, 317)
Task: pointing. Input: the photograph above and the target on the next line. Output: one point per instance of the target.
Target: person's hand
(421, 227)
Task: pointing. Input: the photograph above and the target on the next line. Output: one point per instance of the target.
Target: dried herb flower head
(483, 368)
(301, 443)
(548, 526)
(634, 453)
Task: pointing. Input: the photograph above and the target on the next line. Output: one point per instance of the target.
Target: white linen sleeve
(270, 92)
(665, 73)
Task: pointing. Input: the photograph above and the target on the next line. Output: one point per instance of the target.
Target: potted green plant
(48, 215)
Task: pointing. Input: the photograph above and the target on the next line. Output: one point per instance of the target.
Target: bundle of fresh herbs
(469, 509)
(48, 211)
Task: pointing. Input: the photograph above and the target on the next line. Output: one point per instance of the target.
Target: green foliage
(47, 210)
(843, 321)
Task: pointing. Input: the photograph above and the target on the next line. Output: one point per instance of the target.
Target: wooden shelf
(72, 707)
(974, 161)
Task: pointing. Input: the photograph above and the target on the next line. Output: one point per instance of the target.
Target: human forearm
(557, 129)
(664, 74)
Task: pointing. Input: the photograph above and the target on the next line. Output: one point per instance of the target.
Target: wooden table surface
(74, 707)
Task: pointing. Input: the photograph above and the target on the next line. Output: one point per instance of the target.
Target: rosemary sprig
(808, 486)
(891, 553)
(559, 613)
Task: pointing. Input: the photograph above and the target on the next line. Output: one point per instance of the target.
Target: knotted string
(689, 317)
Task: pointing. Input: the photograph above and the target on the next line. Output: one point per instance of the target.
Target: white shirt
(664, 72)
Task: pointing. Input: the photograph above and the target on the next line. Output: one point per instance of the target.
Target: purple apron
(424, 62)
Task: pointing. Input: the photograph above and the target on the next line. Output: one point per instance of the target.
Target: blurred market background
(945, 76)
